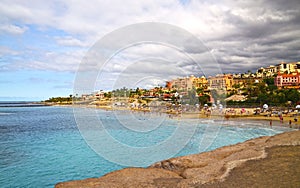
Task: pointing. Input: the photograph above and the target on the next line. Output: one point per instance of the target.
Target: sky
(43, 43)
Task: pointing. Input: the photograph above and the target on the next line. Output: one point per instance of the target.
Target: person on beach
(271, 123)
(227, 117)
(290, 123)
(281, 118)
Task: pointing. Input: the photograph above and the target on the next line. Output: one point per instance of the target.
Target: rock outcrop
(199, 169)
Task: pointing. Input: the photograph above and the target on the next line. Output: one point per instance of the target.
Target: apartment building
(288, 80)
(199, 82)
(221, 82)
(282, 68)
(183, 84)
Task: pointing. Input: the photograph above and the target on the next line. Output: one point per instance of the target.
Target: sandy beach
(231, 114)
(267, 119)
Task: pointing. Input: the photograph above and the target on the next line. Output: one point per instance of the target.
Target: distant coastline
(4, 104)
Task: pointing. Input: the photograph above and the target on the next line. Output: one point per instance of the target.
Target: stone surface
(281, 168)
(129, 177)
(215, 168)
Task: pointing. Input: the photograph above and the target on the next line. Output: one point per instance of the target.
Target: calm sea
(41, 146)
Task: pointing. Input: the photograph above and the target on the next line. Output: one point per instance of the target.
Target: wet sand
(287, 120)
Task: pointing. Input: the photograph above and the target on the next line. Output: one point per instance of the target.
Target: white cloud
(12, 29)
(239, 32)
(71, 41)
(7, 51)
(49, 61)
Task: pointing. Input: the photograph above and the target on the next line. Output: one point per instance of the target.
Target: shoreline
(211, 168)
(181, 171)
(270, 121)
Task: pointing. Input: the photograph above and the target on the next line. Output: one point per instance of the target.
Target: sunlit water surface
(41, 146)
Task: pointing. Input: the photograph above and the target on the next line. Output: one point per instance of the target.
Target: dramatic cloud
(262, 33)
(241, 35)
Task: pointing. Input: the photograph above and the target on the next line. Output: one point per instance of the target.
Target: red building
(287, 80)
(169, 85)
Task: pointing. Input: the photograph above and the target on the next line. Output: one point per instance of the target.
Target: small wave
(207, 121)
(5, 113)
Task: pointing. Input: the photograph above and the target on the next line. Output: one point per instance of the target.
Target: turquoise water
(41, 146)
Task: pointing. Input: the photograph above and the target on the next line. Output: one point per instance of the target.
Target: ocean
(42, 145)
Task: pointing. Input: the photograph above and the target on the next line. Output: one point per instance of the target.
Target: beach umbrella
(298, 106)
(265, 106)
(205, 105)
(214, 106)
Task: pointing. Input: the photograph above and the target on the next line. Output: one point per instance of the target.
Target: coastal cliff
(269, 161)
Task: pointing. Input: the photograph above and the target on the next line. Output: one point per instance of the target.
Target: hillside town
(275, 85)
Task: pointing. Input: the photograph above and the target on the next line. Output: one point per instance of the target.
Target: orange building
(223, 82)
(200, 82)
(169, 85)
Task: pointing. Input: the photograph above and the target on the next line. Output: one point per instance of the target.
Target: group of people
(281, 121)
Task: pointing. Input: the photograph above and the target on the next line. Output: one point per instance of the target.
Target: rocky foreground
(269, 161)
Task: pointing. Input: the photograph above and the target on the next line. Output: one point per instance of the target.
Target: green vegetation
(267, 92)
(204, 99)
(108, 95)
(60, 99)
(123, 92)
